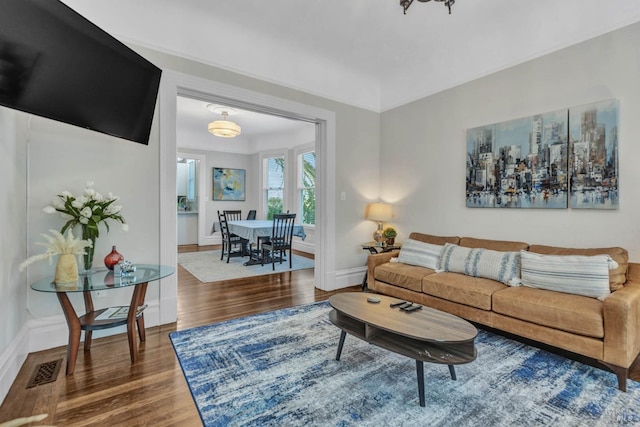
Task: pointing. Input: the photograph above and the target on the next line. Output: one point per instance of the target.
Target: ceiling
(361, 52)
(193, 117)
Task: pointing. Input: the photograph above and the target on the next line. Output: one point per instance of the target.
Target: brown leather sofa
(607, 331)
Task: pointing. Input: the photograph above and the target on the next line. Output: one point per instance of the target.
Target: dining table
(255, 229)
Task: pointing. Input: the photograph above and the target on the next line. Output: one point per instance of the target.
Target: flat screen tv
(54, 63)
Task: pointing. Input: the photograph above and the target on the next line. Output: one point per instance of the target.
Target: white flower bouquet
(88, 211)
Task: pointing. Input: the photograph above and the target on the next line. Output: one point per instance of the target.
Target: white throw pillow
(572, 274)
(419, 253)
(477, 262)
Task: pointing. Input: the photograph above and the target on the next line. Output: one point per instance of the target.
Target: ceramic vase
(113, 258)
(66, 269)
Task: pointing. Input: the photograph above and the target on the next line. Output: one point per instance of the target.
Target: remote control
(396, 304)
(405, 305)
(413, 308)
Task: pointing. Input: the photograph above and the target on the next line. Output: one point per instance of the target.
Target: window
(273, 185)
(307, 187)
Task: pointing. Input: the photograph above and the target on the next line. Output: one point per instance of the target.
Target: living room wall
(423, 147)
(13, 170)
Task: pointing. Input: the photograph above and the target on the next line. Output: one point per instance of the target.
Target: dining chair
(233, 215)
(281, 239)
(229, 241)
(251, 215)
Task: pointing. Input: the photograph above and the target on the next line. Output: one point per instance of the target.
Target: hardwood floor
(107, 390)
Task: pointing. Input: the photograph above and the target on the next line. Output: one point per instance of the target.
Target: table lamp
(379, 212)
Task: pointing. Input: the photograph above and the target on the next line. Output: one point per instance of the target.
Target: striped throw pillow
(419, 253)
(573, 274)
(477, 262)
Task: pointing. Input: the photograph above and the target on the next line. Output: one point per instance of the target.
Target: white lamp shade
(224, 128)
(379, 212)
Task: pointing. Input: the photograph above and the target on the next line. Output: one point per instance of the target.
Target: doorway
(175, 83)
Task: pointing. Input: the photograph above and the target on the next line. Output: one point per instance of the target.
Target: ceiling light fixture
(406, 3)
(223, 128)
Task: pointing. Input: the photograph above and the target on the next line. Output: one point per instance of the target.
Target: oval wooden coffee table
(426, 335)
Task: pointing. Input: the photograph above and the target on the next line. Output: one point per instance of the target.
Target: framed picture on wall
(228, 184)
(519, 163)
(594, 155)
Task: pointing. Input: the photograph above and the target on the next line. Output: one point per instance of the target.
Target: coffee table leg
(343, 335)
(452, 371)
(420, 372)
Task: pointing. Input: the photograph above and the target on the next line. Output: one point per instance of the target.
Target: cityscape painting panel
(521, 163)
(593, 135)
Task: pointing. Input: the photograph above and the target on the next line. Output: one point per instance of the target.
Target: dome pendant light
(224, 128)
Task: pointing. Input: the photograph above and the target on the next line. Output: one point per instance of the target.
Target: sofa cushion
(467, 290)
(571, 313)
(435, 240)
(402, 275)
(617, 277)
(573, 274)
(415, 252)
(477, 262)
(494, 245)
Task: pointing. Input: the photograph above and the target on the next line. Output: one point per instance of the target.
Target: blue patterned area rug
(279, 369)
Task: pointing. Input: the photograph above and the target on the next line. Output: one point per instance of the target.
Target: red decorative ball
(113, 258)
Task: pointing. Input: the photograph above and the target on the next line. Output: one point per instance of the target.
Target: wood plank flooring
(107, 390)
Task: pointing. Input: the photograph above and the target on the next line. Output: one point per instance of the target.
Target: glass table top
(101, 279)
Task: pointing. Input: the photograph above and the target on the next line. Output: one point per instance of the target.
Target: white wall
(424, 146)
(13, 202)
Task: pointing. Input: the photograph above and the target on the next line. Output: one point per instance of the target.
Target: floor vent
(45, 373)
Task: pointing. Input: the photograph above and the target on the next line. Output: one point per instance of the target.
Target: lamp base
(377, 235)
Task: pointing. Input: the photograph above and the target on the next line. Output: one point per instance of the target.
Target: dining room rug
(207, 267)
(279, 369)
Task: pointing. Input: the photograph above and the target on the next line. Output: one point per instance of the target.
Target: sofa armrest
(375, 260)
(621, 311)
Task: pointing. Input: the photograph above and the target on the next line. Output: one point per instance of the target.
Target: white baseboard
(349, 277)
(12, 359)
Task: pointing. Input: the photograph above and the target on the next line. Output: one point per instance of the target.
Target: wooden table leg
(137, 299)
(88, 308)
(73, 324)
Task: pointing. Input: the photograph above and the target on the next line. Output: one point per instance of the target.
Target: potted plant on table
(389, 234)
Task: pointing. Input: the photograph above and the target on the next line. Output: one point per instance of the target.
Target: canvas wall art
(228, 184)
(593, 162)
(521, 163)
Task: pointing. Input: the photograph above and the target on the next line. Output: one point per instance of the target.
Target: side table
(375, 248)
(99, 280)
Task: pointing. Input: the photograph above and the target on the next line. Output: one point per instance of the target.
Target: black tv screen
(54, 63)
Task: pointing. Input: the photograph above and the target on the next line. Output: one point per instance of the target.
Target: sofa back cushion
(415, 252)
(435, 240)
(494, 245)
(617, 276)
(479, 262)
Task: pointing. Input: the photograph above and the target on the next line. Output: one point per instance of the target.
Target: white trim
(12, 359)
(175, 83)
(349, 277)
(168, 230)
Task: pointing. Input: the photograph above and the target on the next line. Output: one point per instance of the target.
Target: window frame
(299, 152)
(264, 156)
